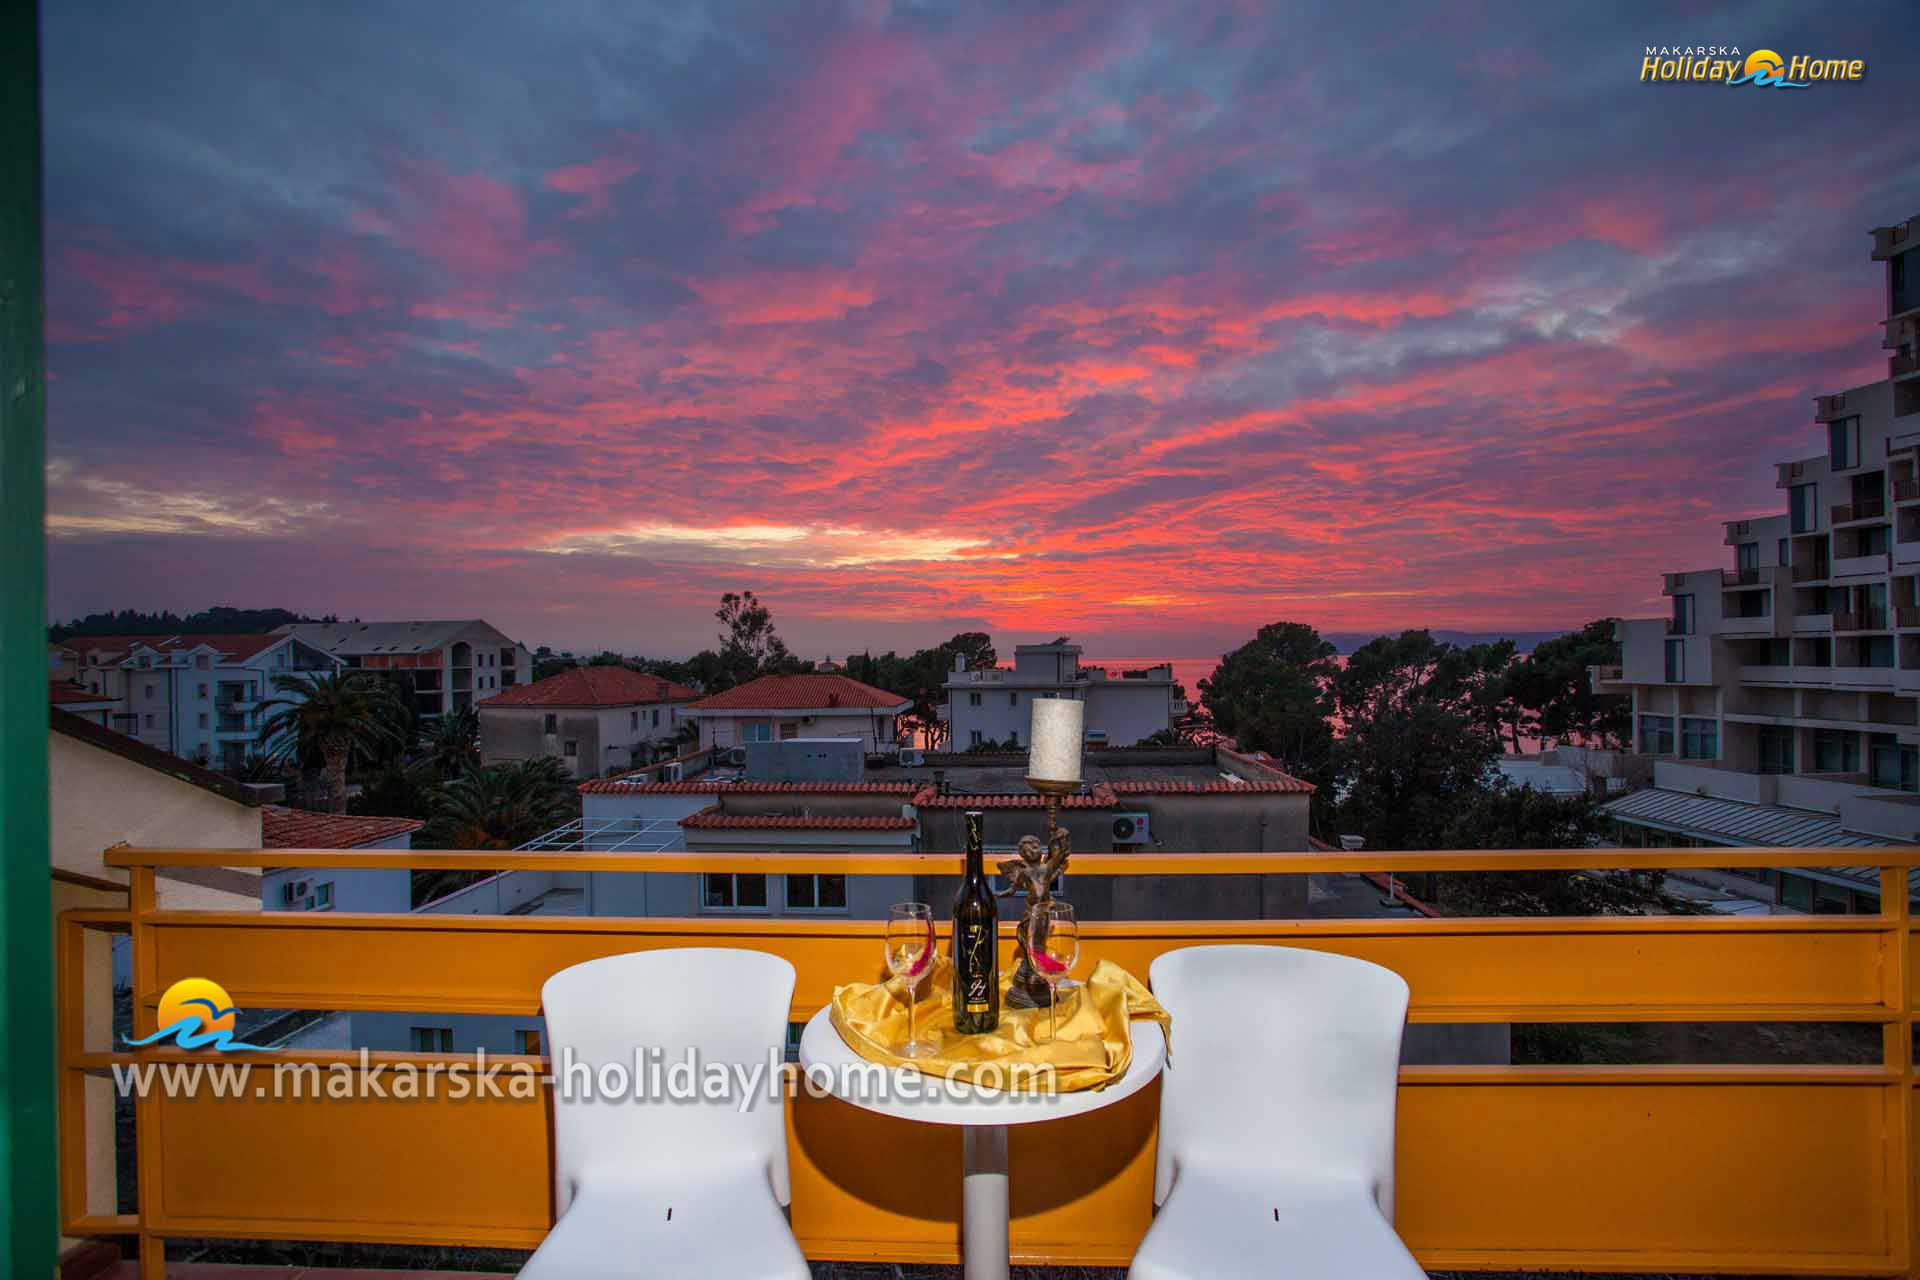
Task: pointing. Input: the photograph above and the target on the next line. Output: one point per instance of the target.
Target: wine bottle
(976, 942)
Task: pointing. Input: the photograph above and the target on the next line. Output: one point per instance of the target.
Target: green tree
(327, 717)
(499, 807)
(1553, 686)
(1407, 766)
(1505, 816)
(1274, 694)
(450, 745)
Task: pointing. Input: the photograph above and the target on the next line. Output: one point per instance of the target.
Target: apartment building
(1788, 680)
(448, 665)
(593, 718)
(992, 704)
(200, 697)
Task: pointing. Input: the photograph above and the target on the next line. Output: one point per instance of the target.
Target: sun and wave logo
(1761, 68)
(196, 1013)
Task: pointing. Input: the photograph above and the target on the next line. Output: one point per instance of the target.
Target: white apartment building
(1790, 680)
(202, 698)
(782, 708)
(451, 664)
(992, 704)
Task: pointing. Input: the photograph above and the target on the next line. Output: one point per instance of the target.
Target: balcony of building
(1863, 511)
(1739, 531)
(1867, 619)
(1827, 408)
(1729, 1166)
(1861, 566)
(1895, 238)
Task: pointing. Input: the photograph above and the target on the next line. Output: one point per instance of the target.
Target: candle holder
(1033, 872)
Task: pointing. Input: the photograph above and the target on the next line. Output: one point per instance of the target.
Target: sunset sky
(1148, 323)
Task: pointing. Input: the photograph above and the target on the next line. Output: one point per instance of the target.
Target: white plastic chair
(668, 1187)
(1276, 1118)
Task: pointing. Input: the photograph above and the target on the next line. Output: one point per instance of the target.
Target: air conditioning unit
(1131, 828)
(670, 771)
(912, 757)
(294, 890)
(737, 756)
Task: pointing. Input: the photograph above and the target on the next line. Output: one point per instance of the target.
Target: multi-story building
(992, 704)
(593, 718)
(1787, 684)
(203, 698)
(448, 665)
(777, 708)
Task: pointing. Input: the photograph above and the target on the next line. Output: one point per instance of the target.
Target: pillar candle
(1053, 752)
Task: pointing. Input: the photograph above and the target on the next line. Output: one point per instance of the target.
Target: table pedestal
(985, 1244)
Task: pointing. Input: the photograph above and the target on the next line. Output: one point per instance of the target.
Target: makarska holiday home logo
(1761, 69)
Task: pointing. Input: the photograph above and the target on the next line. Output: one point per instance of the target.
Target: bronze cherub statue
(1033, 872)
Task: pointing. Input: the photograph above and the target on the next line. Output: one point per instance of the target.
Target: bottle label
(976, 968)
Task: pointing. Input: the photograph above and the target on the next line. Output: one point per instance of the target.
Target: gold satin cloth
(1092, 1048)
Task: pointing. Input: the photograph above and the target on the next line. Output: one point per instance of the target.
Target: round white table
(984, 1115)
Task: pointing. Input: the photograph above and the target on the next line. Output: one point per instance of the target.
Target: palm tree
(324, 717)
(502, 806)
(451, 744)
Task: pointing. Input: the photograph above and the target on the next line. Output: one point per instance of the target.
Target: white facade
(724, 729)
(202, 698)
(994, 704)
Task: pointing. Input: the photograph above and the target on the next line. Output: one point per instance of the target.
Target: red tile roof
(715, 818)
(1264, 786)
(804, 693)
(623, 786)
(1099, 796)
(239, 647)
(284, 828)
(62, 693)
(593, 687)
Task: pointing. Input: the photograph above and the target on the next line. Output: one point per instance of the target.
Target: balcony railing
(1610, 673)
(1906, 490)
(1901, 366)
(1619, 1168)
(1861, 620)
(1814, 571)
(1906, 615)
(1826, 408)
(1865, 509)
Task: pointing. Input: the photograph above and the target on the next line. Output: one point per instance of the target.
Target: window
(973, 699)
(1699, 739)
(728, 891)
(200, 661)
(1796, 892)
(432, 1039)
(1803, 505)
(1747, 555)
(203, 693)
(1836, 751)
(760, 731)
(789, 730)
(550, 723)
(1682, 616)
(1776, 749)
(1013, 698)
(1843, 443)
(973, 738)
(1013, 737)
(656, 717)
(149, 688)
(527, 1040)
(633, 720)
(1786, 553)
(1656, 735)
(1891, 765)
(149, 720)
(570, 747)
(323, 896)
(816, 893)
(1676, 661)
(1902, 295)
(203, 719)
(795, 1030)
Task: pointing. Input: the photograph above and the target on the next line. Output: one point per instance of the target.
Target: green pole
(29, 1209)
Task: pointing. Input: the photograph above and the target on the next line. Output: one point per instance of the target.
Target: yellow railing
(1780, 1169)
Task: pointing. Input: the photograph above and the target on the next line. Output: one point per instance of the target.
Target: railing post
(1903, 1198)
(143, 899)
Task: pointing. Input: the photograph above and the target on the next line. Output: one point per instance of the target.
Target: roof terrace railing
(1645, 1168)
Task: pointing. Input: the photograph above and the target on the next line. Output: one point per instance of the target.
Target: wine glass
(909, 954)
(1053, 945)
